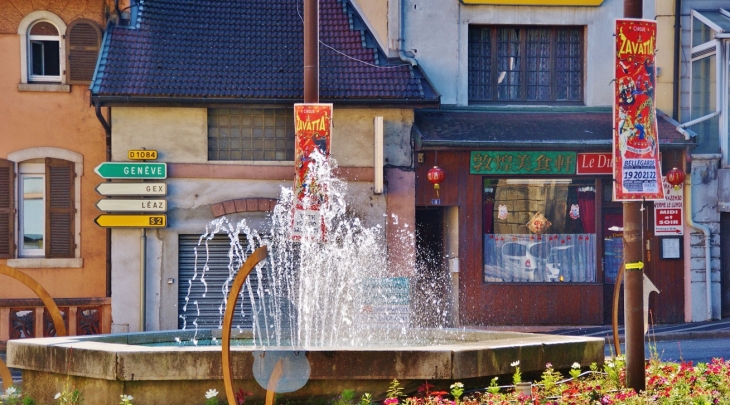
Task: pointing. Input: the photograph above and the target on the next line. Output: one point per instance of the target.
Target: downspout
(708, 248)
(108, 131)
(677, 44)
(402, 36)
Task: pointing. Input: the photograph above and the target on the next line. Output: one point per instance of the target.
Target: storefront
(529, 196)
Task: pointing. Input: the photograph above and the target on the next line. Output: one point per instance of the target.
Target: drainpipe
(677, 44)
(708, 248)
(106, 123)
(401, 40)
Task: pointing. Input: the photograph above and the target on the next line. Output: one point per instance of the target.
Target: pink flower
(390, 401)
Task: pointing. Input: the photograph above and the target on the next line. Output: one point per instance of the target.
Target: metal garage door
(210, 307)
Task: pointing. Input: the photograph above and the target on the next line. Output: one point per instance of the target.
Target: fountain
(324, 326)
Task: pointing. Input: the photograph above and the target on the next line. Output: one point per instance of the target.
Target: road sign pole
(634, 275)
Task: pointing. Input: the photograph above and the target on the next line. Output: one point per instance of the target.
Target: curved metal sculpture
(256, 257)
(47, 301)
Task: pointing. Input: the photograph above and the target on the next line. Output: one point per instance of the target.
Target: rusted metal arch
(256, 257)
(47, 301)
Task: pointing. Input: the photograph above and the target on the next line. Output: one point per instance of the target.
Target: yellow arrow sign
(131, 221)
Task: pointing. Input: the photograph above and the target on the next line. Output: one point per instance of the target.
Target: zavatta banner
(313, 129)
(637, 171)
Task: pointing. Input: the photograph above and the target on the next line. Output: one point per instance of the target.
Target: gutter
(147, 101)
(677, 45)
(706, 231)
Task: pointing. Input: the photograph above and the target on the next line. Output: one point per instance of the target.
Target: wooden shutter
(7, 209)
(60, 210)
(83, 41)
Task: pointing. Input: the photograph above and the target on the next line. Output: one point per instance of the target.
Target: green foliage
(68, 396)
(394, 390)
(366, 399)
(347, 397)
(493, 387)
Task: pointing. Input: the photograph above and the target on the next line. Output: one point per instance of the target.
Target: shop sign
(594, 163)
(576, 3)
(637, 172)
(313, 130)
(526, 162)
(669, 213)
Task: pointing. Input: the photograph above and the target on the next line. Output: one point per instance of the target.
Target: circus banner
(637, 171)
(313, 129)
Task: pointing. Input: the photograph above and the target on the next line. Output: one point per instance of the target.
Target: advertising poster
(313, 130)
(669, 214)
(637, 171)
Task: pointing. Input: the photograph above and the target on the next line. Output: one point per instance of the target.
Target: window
(253, 134)
(525, 64)
(45, 218)
(44, 46)
(53, 54)
(539, 230)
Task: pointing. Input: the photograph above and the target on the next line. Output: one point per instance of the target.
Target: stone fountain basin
(104, 367)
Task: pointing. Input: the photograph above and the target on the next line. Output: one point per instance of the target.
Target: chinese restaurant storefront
(539, 237)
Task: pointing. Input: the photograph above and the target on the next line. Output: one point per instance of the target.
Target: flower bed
(667, 383)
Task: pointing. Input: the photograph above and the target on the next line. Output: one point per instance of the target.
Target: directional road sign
(132, 189)
(131, 170)
(131, 221)
(120, 205)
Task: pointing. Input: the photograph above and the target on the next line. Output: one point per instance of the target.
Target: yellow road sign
(131, 221)
(142, 154)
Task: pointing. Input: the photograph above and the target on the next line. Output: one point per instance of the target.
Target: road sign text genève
(130, 170)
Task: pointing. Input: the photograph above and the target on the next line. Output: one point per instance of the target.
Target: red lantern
(675, 177)
(436, 175)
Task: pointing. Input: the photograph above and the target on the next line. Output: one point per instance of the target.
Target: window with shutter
(7, 209)
(60, 208)
(83, 41)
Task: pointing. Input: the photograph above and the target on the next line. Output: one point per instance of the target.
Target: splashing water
(328, 286)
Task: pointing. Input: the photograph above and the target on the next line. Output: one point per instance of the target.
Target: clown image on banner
(636, 169)
(313, 129)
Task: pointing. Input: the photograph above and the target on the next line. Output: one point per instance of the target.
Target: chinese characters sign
(637, 172)
(528, 162)
(313, 129)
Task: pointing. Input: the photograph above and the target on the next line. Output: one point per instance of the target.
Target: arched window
(44, 52)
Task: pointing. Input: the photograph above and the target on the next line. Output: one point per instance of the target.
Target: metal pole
(634, 276)
(311, 51)
(142, 280)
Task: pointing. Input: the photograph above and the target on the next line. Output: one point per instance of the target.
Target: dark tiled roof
(587, 130)
(253, 49)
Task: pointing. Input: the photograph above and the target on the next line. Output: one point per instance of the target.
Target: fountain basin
(106, 366)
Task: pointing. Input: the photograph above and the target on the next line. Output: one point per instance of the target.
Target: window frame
(25, 52)
(44, 40)
(28, 170)
(494, 73)
(37, 155)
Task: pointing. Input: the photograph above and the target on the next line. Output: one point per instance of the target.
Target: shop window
(43, 211)
(525, 64)
(539, 230)
(251, 134)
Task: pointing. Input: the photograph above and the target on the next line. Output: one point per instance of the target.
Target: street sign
(130, 170)
(132, 189)
(132, 205)
(131, 221)
(142, 154)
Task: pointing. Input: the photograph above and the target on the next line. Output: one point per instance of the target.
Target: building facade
(51, 141)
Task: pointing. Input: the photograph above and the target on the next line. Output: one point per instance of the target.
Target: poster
(637, 171)
(669, 213)
(313, 130)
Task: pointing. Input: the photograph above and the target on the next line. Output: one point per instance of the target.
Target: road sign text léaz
(120, 205)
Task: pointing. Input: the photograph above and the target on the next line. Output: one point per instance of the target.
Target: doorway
(432, 285)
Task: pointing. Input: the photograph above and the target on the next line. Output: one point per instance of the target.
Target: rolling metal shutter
(211, 306)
